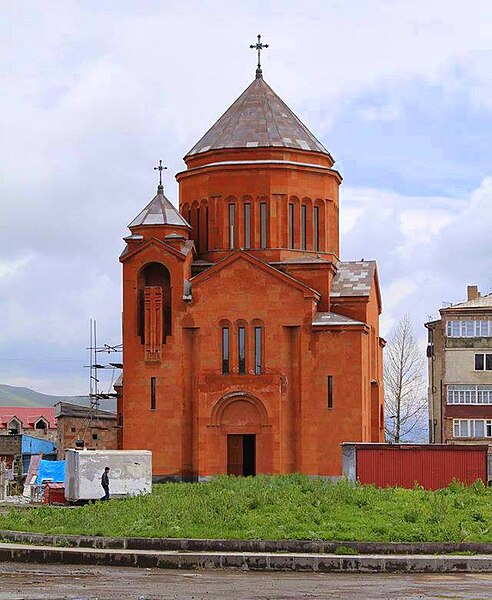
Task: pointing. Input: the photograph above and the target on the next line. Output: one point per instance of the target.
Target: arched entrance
(241, 419)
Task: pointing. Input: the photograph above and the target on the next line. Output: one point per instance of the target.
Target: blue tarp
(33, 445)
(51, 469)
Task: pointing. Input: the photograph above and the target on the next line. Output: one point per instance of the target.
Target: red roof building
(28, 419)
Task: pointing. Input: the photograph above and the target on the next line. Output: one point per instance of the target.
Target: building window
(303, 226)
(472, 428)
(206, 228)
(152, 393)
(316, 228)
(73, 429)
(247, 226)
(263, 224)
(94, 436)
(469, 394)
(198, 245)
(232, 226)
(483, 362)
(225, 350)
(472, 328)
(330, 392)
(258, 350)
(291, 225)
(242, 349)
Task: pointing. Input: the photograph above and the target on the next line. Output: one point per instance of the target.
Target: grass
(277, 507)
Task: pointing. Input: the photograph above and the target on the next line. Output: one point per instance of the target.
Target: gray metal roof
(258, 118)
(331, 318)
(353, 278)
(159, 211)
(480, 302)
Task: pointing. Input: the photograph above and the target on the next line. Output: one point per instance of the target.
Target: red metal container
(433, 466)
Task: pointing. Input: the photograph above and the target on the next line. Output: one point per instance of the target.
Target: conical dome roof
(159, 211)
(258, 118)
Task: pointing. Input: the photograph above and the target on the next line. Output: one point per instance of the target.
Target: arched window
(14, 426)
(154, 308)
(41, 424)
(259, 344)
(225, 342)
(263, 222)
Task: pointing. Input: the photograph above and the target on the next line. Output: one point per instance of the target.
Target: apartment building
(459, 356)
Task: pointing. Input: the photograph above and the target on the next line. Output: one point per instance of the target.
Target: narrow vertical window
(330, 392)
(263, 224)
(242, 350)
(303, 226)
(316, 228)
(479, 362)
(225, 350)
(206, 228)
(152, 393)
(291, 225)
(258, 350)
(198, 229)
(247, 226)
(232, 225)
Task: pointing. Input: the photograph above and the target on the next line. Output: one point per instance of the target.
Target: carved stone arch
(227, 400)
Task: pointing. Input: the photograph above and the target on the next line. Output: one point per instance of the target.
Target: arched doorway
(241, 419)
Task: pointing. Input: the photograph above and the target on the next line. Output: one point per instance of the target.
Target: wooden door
(235, 455)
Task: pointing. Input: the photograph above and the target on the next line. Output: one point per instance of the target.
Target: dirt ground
(56, 582)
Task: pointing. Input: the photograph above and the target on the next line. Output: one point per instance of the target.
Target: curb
(228, 545)
(322, 563)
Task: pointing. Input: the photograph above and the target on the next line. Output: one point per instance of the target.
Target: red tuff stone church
(249, 345)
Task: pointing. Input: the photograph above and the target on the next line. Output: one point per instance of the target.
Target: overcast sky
(93, 93)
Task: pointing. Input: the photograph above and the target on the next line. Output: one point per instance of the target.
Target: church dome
(159, 211)
(258, 119)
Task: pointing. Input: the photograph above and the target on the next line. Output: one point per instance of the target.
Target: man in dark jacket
(105, 483)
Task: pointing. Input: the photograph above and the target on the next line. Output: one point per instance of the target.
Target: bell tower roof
(258, 119)
(159, 211)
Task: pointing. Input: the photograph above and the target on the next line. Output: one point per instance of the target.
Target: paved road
(56, 582)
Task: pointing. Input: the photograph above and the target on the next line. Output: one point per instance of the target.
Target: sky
(93, 94)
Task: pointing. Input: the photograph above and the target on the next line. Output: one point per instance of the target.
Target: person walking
(105, 483)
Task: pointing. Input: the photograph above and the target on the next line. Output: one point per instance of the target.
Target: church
(249, 346)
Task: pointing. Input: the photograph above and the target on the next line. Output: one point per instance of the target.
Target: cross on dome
(160, 168)
(259, 47)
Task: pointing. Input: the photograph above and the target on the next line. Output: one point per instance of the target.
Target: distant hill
(20, 396)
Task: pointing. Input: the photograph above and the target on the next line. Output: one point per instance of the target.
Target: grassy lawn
(279, 507)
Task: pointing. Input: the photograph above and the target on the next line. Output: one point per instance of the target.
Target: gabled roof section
(353, 278)
(181, 254)
(159, 211)
(258, 118)
(256, 262)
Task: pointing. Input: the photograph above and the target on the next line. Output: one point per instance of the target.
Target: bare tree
(405, 400)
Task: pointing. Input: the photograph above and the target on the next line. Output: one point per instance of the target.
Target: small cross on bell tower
(160, 167)
(259, 47)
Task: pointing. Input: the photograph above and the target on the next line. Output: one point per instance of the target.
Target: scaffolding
(92, 421)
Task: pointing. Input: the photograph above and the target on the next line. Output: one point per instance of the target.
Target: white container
(130, 473)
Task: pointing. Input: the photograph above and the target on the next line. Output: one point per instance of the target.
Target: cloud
(92, 97)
